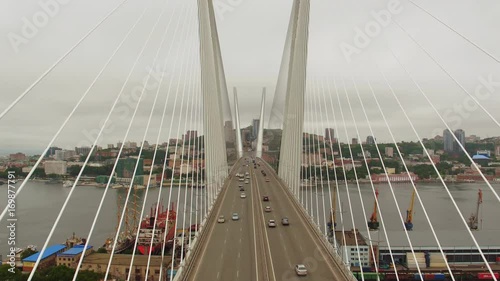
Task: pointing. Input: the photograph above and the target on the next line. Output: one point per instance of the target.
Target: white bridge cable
(407, 171)
(371, 181)
(359, 190)
(436, 169)
(63, 125)
(90, 153)
(309, 186)
(115, 240)
(138, 229)
(315, 154)
(337, 189)
(457, 83)
(311, 102)
(346, 184)
(424, 95)
(318, 133)
(455, 31)
(181, 72)
(184, 90)
(169, 91)
(363, 209)
(190, 92)
(49, 70)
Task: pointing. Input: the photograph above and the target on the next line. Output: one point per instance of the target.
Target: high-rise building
(460, 134)
(389, 151)
(190, 135)
(497, 151)
(354, 141)
(111, 146)
(329, 134)
(370, 140)
(52, 151)
(448, 141)
(255, 128)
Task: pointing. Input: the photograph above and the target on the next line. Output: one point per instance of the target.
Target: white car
(221, 219)
(247, 182)
(235, 217)
(301, 270)
(268, 209)
(243, 195)
(271, 223)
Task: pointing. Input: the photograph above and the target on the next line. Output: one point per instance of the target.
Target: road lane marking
(265, 227)
(254, 235)
(218, 275)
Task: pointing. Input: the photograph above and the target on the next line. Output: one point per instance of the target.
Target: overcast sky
(252, 37)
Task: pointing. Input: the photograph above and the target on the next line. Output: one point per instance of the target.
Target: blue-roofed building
(483, 160)
(48, 258)
(71, 257)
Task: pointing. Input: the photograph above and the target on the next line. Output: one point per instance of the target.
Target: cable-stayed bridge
(220, 225)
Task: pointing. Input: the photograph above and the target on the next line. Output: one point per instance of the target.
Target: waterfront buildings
(370, 140)
(126, 166)
(349, 249)
(71, 257)
(402, 177)
(120, 266)
(63, 155)
(354, 141)
(85, 150)
(460, 134)
(17, 157)
(48, 259)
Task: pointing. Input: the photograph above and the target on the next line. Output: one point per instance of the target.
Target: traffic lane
(262, 235)
(298, 240)
(221, 260)
(231, 254)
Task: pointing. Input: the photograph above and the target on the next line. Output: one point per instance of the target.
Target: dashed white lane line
(218, 275)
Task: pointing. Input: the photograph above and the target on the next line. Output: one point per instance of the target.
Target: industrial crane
(409, 213)
(333, 220)
(474, 217)
(373, 224)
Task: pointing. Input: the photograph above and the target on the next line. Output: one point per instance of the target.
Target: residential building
(111, 146)
(484, 152)
(448, 141)
(17, 157)
(389, 151)
(354, 141)
(497, 151)
(190, 135)
(55, 167)
(370, 140)
(329, 134)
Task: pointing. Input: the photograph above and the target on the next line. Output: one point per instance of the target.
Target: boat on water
(74, 240)
(125, 242)
(138, 186)
(67, 184)
(157, 232)
(117, 186)
(53, 181)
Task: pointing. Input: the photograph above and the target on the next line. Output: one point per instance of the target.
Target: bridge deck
(248, 249)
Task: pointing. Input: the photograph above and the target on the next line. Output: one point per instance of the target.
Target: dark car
(265, 198)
